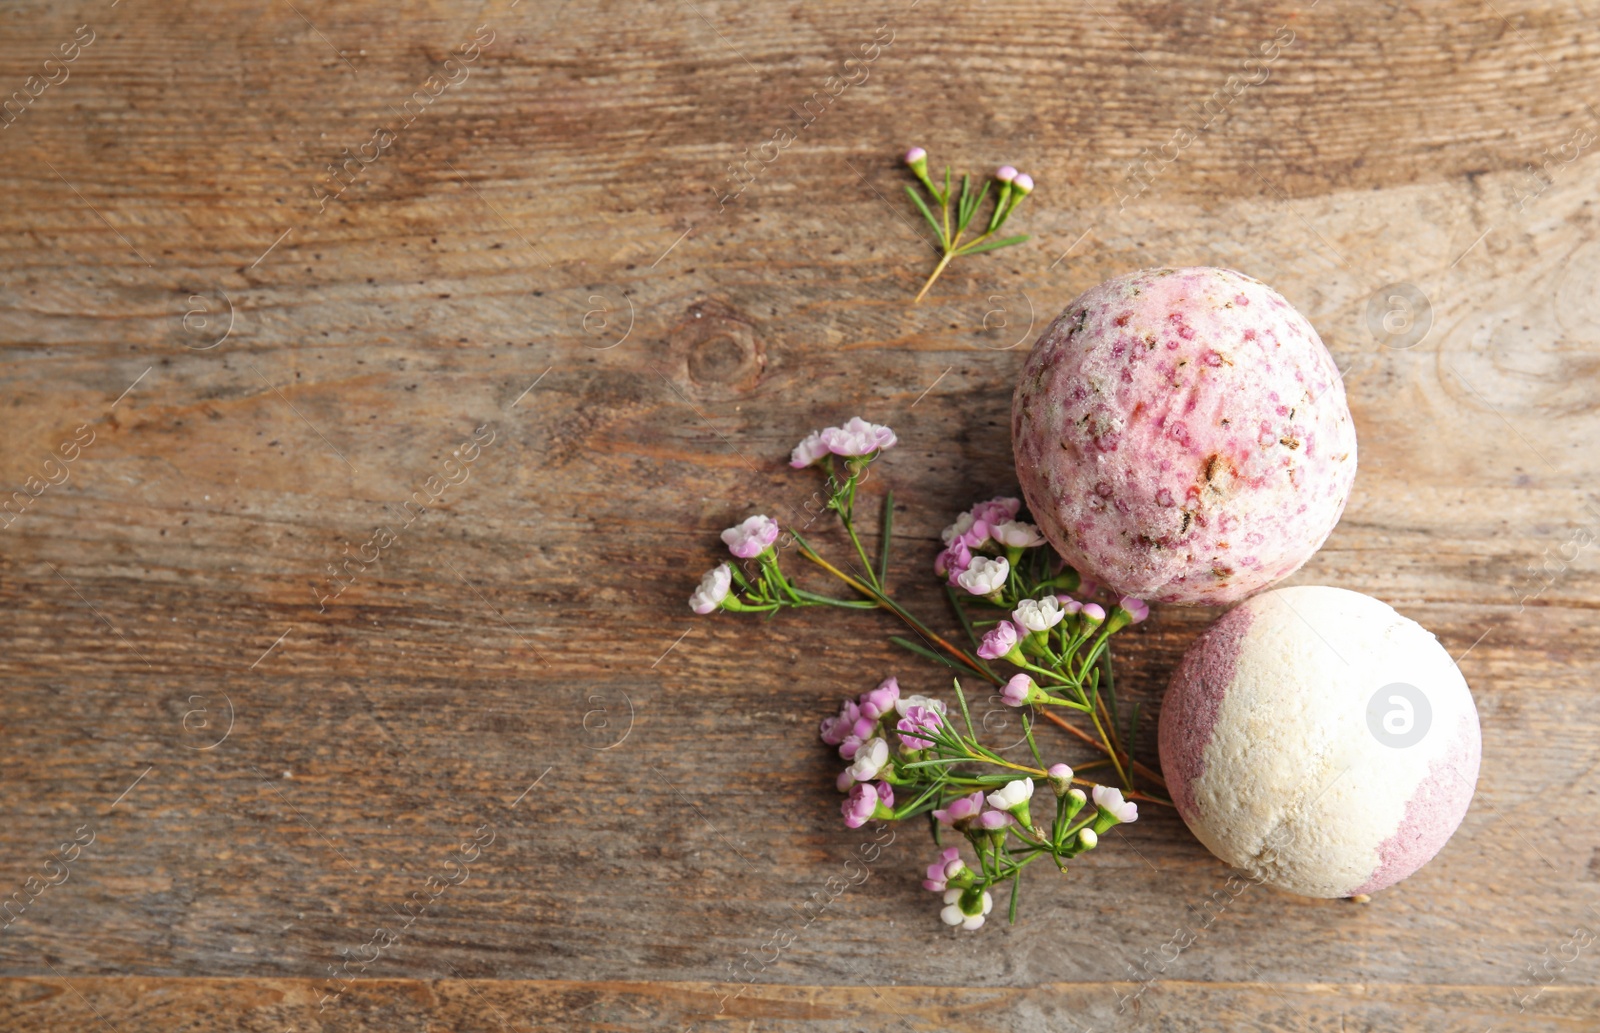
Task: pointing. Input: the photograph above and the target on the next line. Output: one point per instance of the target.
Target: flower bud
(1060, 779)
(1087, 839)
(1019, 692)
(1005, 173)
(917, 162)
(1023, 184)
(1075, 802)
(1128, 611)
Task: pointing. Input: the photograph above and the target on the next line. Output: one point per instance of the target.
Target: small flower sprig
(1014, 186)
(906, 755)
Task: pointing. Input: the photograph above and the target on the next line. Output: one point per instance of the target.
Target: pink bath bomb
(1320, 741)
(1182, 436)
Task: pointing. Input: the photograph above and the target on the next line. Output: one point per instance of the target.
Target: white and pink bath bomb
(1181, 435)
(1320, 741)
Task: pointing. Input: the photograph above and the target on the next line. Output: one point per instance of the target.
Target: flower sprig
(1013, 187)
(908, 756)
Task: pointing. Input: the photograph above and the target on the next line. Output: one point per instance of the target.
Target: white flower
(808, 451)
(1012, 794)
(1109, 799)
(985, 575)
(905, 703)
(858, 438)
(870, 759)
(713, 589)
(953, 915)
(962, 525)
(1017, 533)
(1039, 614)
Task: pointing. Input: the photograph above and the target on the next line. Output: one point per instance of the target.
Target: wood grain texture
(548, 252)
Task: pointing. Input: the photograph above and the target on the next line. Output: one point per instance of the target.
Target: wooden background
(543, 253)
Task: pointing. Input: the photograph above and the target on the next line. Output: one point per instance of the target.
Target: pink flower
(713, 589)
(858, 733)
(751, 538)
(864, 801)
(858, 438)
(999, 510)
(1023, 184)
(1005, 173)
(880, 700)
(834, 729)
(1136, 609)
(999, 641)
(984, 576)
(1069, 605)
(993, 821)
(943, 870)
(808, 451)
(1094, 613)
(905, 704)
(915, 155)
(1109, 800)
(919, 719)
(1017, 691)
(962, 809)
(953, 561)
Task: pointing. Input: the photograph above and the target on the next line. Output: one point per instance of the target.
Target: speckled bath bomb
(1181, 435)
(1320, 741)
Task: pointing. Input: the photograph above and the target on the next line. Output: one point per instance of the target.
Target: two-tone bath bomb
(1320, 741)
(1181, 435)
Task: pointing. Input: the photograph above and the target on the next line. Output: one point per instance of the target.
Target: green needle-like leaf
(961, 697)
(938, 230)
(976, 203)
(961, 615)
(919, 649)
(1027, 730)
(964, 206)
(1016, 888)
(990, 245)
(883, 540)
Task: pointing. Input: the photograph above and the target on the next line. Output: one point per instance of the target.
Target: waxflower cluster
(1010, 187)
(908, 755)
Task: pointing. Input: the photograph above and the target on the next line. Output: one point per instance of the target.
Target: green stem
(889, 604)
